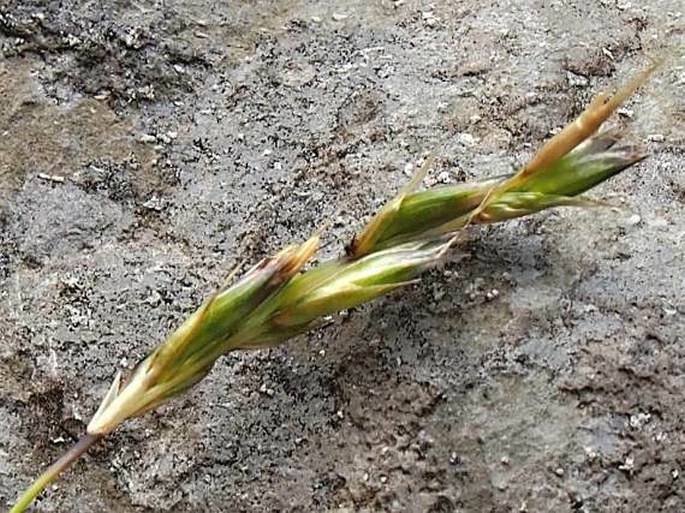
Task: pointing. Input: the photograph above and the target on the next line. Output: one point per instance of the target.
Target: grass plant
(277, 299)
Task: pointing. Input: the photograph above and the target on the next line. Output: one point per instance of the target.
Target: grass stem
(52, 473)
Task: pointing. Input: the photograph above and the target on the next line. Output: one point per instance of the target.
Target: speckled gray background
(148, 147)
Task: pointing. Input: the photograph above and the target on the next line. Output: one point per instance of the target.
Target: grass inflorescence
(277, 300)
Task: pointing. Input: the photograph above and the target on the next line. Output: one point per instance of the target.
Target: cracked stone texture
(150, 147)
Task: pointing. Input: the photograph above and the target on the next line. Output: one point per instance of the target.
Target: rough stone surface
(149, 147)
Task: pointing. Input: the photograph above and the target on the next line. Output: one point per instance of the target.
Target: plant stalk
(52, 473)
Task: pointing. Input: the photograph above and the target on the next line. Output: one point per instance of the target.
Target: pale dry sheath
(277, 300)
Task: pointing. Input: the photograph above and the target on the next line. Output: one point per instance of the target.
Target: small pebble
(51, 178)
(577, 80)
(639, 420)
(492, 294)
(634, 220)
(590, 453)
(147, 138)
(466, 139)
(628, 465)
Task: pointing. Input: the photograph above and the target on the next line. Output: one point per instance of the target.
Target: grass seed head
(276, 300)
